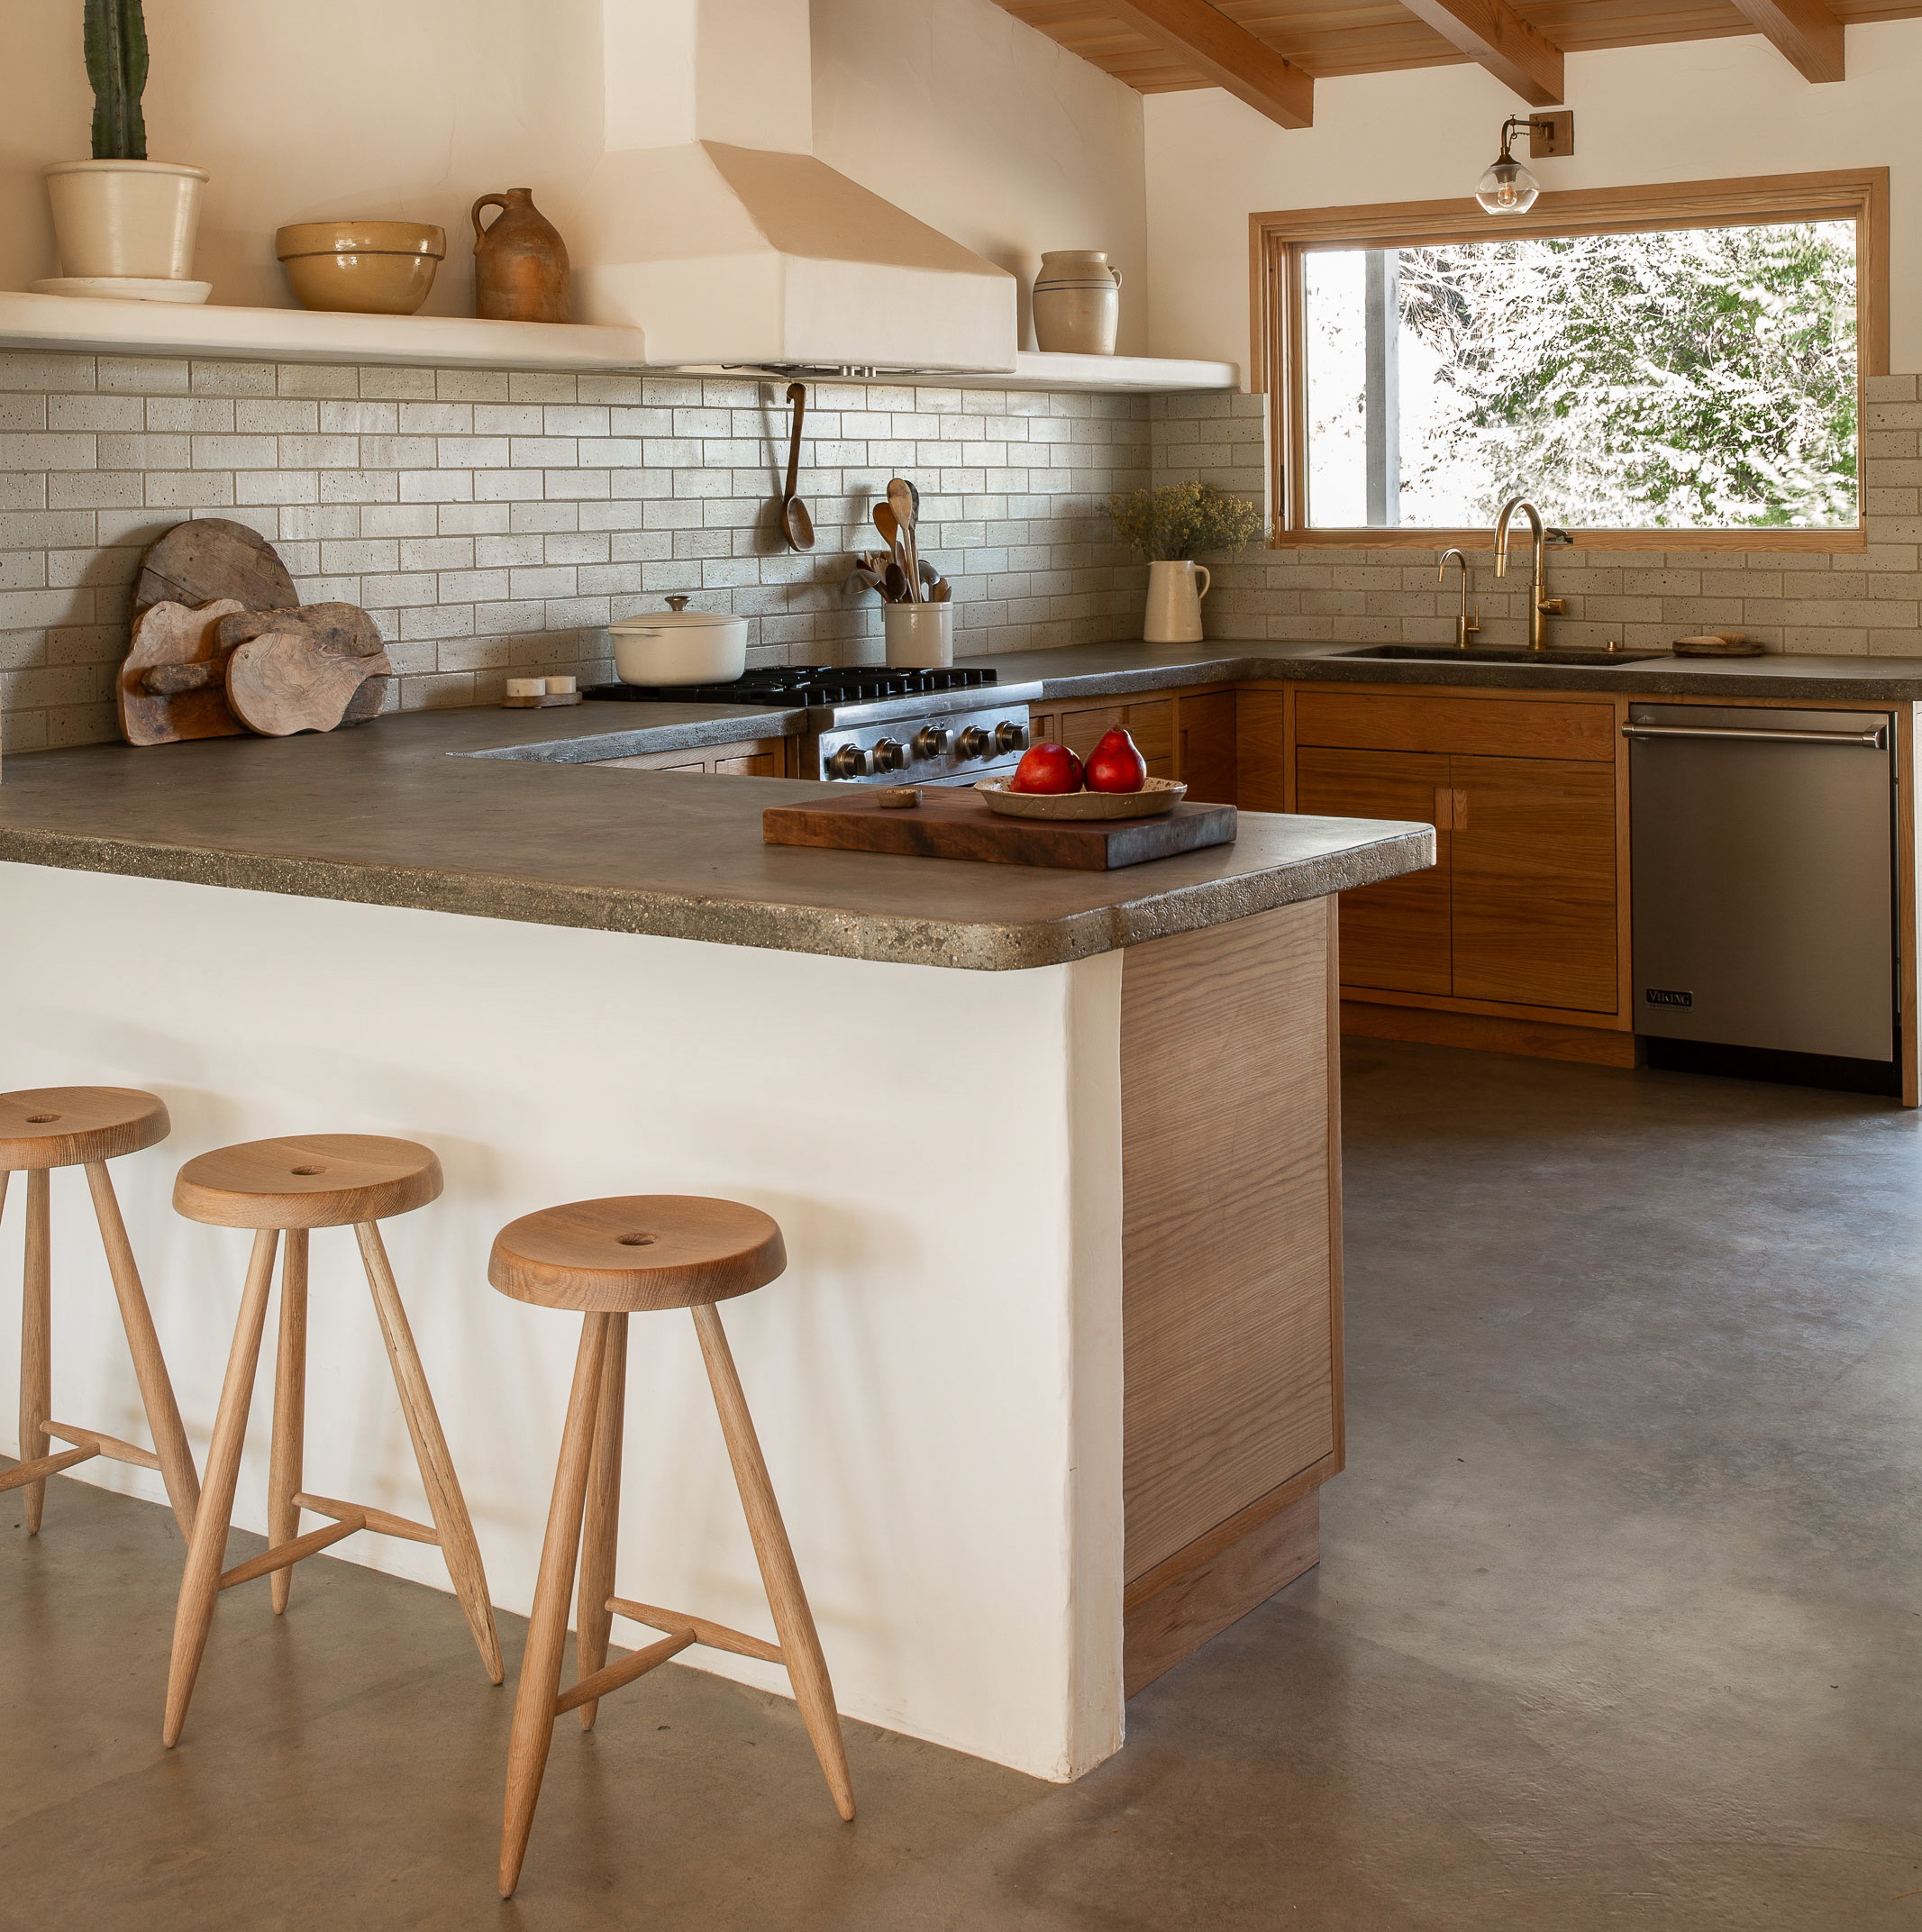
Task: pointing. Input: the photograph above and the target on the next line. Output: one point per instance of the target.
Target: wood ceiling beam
(1519, 56)
(1227, 53)
(1805, 32)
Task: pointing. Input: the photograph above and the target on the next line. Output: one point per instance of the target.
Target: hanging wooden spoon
(796, 523)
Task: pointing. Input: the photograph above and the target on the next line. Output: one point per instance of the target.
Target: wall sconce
(1509, 187)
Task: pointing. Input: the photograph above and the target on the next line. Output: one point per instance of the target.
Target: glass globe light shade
(1507, 187)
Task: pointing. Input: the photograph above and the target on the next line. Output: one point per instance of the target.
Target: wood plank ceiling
(1269, 52)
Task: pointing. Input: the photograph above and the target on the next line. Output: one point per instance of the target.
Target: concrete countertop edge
(773, 925)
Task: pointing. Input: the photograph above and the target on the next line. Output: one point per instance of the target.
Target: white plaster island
(1053, 1376)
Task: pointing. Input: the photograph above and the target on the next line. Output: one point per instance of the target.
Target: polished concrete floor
(1618, 1623)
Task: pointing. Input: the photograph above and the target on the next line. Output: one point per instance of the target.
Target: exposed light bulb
(1507, 187)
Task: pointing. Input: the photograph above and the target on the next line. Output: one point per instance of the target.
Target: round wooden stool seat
(70, 1126)
(308, 1180)
(637, 1251)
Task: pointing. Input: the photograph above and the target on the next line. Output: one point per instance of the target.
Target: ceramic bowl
(361, 267)
(1155, 796)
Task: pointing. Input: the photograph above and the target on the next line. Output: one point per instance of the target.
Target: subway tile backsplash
(1841, 602)
(493, 523)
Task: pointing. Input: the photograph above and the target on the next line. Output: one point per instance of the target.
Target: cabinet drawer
(1483, 727)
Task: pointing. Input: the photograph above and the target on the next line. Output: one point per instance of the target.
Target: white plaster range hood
(709, 224)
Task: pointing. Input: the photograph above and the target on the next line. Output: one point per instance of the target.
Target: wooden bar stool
(41, 1129)
(292, 1186)
(610, 1259)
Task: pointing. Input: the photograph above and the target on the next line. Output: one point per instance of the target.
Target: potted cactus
(126, 225)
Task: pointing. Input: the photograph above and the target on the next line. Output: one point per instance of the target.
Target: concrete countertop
(390, 814)
(1116, 671)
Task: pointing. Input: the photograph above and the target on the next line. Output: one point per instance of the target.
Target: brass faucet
(1465, 627)
(1540, 609)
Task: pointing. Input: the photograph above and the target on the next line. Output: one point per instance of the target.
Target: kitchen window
(1678, 365)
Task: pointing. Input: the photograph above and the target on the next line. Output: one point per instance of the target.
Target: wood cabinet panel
(1228, 1264)
(1205, 733)
(1151, 724)
(754, 758)
(1395, 936)
(1487, 727)
(1533, 856)
(1261, 750)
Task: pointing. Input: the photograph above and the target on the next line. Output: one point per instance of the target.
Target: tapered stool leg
(601, 1532)
(149, 1366)
(444, 1499)
(546, 1629)
(290, 1412)
(36, 1340)
(206, 1547)
(794, 1622)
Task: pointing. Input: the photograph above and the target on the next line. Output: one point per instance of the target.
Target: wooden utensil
(954, 824)
(901, 501)
(211, 558)
(896, 585)
(796, 523)
(171, 688)
(890, 530)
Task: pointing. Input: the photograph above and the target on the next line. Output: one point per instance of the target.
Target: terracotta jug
(520, 263)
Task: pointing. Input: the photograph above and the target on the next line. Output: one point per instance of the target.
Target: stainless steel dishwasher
(1763, 862)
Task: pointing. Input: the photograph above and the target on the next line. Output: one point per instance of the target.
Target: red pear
(1048, 767)
(1116, 764)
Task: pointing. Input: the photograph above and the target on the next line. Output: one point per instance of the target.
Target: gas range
(876, 724)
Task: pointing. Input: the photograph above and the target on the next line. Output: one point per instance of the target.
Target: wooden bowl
(361, 267)
(1155, 796)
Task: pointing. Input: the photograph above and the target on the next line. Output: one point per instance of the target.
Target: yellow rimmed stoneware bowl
(1155, 796)
(361, 267)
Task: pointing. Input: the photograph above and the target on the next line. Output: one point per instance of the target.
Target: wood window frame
(1279, 241)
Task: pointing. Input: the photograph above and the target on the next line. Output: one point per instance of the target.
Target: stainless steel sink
(1494, 655)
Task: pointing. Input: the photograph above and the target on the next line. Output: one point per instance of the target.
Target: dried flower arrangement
(1183, 520)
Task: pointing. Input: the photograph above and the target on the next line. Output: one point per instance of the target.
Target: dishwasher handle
(1876, 739)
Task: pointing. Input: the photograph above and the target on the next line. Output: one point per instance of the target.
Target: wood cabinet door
(1151, 724)
(1534, 859)
(1394, 936)
(1205, 735)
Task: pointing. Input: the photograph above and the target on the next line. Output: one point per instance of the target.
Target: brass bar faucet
(1465, 626)
(1540, 609)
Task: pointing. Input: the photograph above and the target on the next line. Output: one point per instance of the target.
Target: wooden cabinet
(1184, 734)
(1395, 936)
(1522, 910)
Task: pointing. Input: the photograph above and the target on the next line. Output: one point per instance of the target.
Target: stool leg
(593, 1618)
(149, 1366)
(206, 1547)
(36, 1339)
(794, 1622)
(290, 1411)
(444, 1499)
(546, 1629)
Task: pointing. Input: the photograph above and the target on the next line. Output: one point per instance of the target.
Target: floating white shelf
(77, 325)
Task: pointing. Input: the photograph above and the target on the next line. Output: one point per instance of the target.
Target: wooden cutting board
(213, 558)
(328, 653)
(952, 823)
(172, 683)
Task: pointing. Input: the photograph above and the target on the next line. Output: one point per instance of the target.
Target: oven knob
(889, 756)
(930, 742)
(1011, 737)
(975, 743)
(851, 761)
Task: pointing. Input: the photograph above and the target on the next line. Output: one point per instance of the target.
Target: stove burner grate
(801, 686)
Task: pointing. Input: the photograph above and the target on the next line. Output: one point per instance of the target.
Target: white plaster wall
(936, 1380)
(951, 108)
(1694, 111)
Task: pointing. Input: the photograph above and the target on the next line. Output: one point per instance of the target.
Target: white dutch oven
(680, 646)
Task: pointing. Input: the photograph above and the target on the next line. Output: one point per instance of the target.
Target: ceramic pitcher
(1077, 303)
(1175, 591)
(520, 263)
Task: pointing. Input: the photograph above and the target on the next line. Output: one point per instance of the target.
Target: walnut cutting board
(952, 823)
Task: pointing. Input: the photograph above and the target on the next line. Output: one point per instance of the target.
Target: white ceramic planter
(1175, 591)
(125, 218)
(1077, 303)
(920, 635)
